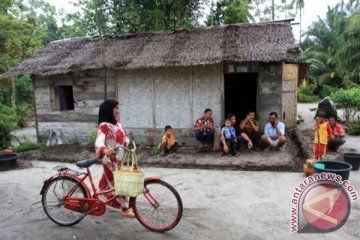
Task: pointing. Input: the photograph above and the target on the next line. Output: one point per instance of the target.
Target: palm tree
(350, 52)
(299, 5)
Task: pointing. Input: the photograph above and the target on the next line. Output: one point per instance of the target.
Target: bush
(307, 90)
(22, 111)
(306, 94)
(93, 136)
(8, 121)
(302, 98)
(355, 127)
(23, 86)
(327, 90)
(349, 99)
(27, 146)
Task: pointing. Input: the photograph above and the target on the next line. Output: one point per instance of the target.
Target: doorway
(240, 93)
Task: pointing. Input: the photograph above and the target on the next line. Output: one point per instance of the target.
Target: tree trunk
(273, 10)
(13, 94)
(300, 26)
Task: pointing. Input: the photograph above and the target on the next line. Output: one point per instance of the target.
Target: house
(163, 78)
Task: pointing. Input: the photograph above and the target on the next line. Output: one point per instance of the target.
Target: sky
(313, 9)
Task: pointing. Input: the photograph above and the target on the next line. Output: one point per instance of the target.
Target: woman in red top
(110, 133)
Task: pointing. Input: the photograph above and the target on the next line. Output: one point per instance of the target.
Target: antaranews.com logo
(321, 203)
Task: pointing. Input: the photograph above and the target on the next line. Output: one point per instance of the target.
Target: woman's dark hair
(207, 110)
(106, 111)
(230, 115)
(167, 127)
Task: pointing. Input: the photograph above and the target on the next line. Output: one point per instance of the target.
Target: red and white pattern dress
(109, 136)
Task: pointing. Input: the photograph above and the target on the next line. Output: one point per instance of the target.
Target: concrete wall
(88, 92)
(289, 94)
(150, 99)
(269, 97)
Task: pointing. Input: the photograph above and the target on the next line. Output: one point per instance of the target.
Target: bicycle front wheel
(54, 205)
(159, 208)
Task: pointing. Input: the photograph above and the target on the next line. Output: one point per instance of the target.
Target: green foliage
(332, 47)
(22, 113)
(349, 55)
(7, 124)
(23, 87)
(355, 127)
(75, 140)
(93, 135)
(123, 16)
(327, 90)
(349, 99)
(266, 10)
(229, 11)
(302, 98)
(27, 146)
(155, 150)
(306, 94)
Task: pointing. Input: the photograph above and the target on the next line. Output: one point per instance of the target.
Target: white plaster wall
(176, 96)
(72, 130)
(208, 91)
(172, 97)
(135, 94)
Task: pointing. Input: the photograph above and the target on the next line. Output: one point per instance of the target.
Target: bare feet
(128, 213)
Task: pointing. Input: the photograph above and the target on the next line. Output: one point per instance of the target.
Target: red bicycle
(67, 199)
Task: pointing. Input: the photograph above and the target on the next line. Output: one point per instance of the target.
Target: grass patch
(27, 146)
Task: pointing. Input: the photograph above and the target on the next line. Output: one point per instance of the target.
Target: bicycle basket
(129, 179)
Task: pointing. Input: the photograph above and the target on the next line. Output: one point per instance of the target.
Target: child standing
(228, 131)
(168, 142)
(322, 132)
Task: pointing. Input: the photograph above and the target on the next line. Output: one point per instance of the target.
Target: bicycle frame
(64, 171)
(72, 190)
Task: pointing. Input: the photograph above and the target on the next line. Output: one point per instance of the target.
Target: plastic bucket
(353, 159)
(340, 168)
(8, 161)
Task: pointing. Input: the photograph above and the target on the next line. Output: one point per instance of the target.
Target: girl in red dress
(111, 133)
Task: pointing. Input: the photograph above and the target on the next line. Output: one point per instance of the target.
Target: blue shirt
(228, 132)
(271, 132)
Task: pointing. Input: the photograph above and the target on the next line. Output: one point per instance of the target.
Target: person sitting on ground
(250, 126)
(274, 133)
(168, 143)
(229, 135)
(322, 132)
(241, 137)
(337, 134)
(204, 129)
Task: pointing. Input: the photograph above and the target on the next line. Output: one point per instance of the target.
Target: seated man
(204, 129)
(338, 135)
(274, 132)
(250, 126)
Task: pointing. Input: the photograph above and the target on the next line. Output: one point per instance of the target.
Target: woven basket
(129, 179)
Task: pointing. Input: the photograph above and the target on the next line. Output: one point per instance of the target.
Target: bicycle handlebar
(126, 148)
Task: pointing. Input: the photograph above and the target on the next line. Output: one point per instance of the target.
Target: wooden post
(35, 112)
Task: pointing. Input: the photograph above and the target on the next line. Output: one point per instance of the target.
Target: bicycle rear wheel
(54, 205)
(159, 208)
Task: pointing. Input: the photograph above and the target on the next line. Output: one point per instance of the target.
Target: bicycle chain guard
(91, 206)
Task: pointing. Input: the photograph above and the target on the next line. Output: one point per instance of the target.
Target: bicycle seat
(86, 163)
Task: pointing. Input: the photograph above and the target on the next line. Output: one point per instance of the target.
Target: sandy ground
(217, 205)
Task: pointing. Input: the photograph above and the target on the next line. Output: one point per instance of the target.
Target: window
(65, 98)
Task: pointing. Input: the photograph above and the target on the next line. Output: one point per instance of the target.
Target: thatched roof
(264, 42)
